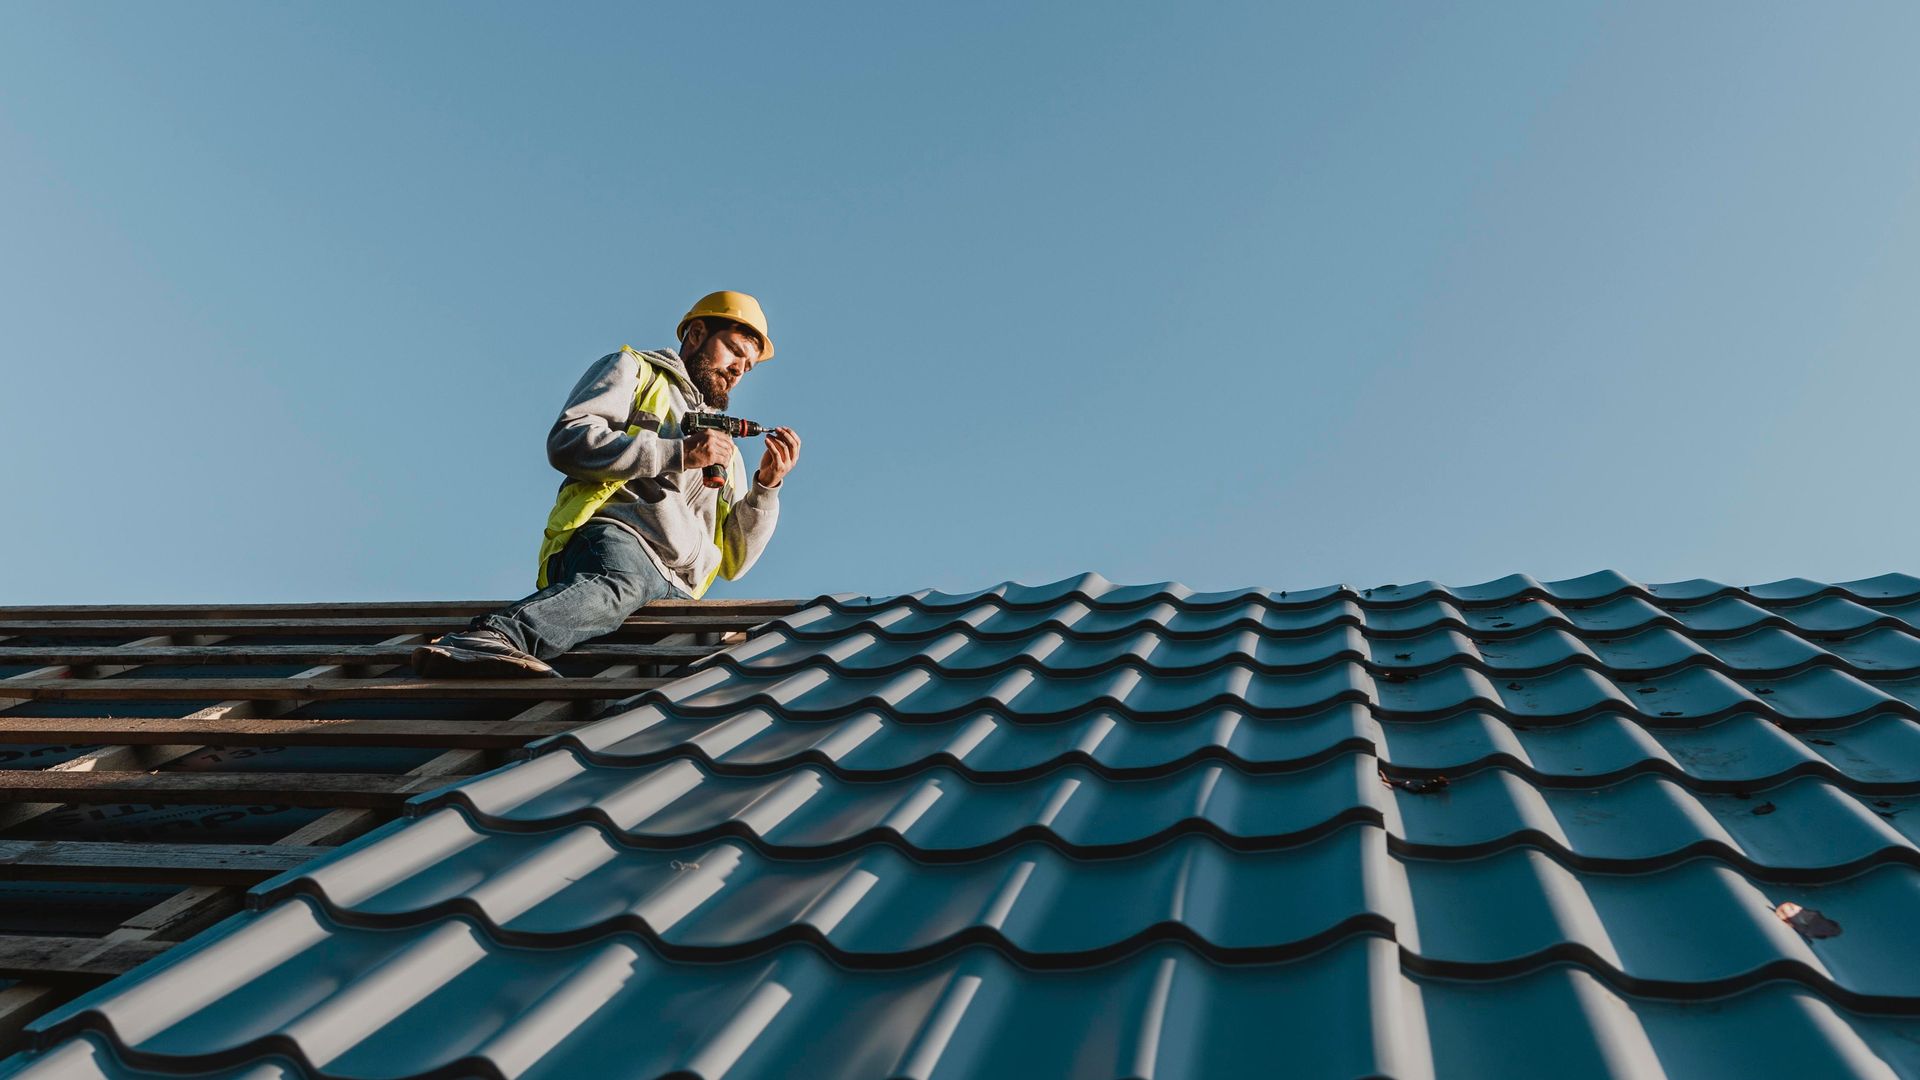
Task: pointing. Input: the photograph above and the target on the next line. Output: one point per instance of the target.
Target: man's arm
(745, 533)
(590, 442)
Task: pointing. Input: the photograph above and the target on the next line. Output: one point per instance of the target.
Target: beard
(712, 387)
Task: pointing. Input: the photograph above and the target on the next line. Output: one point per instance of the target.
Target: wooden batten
(275, 731)
(380, 790)
(325, 689)
(339, 624)
(67, 958)
(185, 864)
(462, 609)
(81, 655)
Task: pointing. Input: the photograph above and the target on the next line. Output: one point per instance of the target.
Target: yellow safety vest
(579, 500)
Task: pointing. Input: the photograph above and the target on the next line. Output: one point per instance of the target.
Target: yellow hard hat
(737, 306)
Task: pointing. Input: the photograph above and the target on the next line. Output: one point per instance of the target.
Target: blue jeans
(602, 576)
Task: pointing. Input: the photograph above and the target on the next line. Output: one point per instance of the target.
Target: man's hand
(706, 447)
(776, 461)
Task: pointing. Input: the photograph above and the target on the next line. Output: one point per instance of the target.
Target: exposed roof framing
(168, 688)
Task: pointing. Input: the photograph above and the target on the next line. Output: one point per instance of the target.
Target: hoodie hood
(669, 361)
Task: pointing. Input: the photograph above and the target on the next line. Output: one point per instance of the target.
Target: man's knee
(629, 590)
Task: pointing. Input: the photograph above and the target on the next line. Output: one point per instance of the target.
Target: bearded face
(713, 383)
(717, 361)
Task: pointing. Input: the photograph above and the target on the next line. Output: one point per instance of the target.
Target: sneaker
(477, 654)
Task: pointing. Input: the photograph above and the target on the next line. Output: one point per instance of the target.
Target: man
(634, 521)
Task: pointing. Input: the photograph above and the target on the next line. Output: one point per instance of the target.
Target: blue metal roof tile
(982, 743)
(961, 654)
(1882, 587)
(1085, 829)
(1589, 587)
(1745, 749)
(1722, 617)
(1768, 650)
(1697, 922)
(460, 1004)
(938, 812)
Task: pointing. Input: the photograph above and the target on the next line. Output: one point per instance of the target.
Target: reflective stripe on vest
(579, 500)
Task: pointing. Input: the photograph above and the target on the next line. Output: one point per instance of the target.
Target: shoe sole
(447, 661)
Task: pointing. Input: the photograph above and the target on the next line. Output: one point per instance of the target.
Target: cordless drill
(716, 475)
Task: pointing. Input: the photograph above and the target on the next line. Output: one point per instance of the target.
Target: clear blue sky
(1278, 294)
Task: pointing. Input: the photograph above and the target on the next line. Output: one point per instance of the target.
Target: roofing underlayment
(1583, 828)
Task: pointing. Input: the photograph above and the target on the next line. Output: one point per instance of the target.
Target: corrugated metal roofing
(1585, 828)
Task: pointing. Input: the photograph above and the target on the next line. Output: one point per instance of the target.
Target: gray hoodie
(662, 503)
